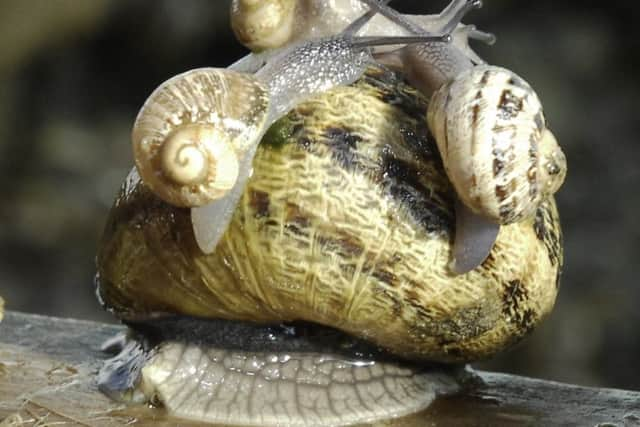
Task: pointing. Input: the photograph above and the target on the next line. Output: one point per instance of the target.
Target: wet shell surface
(348, 222)
(192, 130)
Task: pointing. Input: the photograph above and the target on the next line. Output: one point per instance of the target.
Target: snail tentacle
(192, 130)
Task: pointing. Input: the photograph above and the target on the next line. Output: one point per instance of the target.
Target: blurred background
(74, 73)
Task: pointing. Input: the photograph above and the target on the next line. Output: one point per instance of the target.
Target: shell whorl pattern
(492, 137)
(263, 24)
(192, 130)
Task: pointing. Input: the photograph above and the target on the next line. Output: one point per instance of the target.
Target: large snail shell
(192, 130)
(347, 221)
(491, 133)
(263, 24)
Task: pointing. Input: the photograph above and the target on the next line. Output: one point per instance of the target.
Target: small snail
(195, 137)
(491, 132)
(345, 222)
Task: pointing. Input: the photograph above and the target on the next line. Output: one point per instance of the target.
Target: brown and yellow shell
(347, 221)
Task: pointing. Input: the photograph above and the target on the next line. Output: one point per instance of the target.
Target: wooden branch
(48, 365)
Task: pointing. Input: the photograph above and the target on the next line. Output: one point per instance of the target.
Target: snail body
(491, 133)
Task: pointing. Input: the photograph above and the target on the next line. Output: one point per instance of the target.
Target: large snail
(347, 222)
(491, 132)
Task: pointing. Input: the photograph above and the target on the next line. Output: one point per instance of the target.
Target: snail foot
(302, 384)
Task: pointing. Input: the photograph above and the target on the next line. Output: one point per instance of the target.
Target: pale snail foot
(263, 376)
(474, 239)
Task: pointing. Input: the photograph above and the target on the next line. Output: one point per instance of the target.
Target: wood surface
(48, 366)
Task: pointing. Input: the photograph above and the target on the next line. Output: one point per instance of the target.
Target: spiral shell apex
(192, 131)
(263, 24)
(492, 136)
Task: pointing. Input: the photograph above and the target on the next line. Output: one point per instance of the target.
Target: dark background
(74, 73)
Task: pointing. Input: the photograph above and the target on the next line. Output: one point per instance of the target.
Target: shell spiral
(347, 221)
(192, 130)
(497, 151)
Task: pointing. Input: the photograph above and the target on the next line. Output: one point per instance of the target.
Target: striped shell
(347, 221)
(192, 131)
(497, 152)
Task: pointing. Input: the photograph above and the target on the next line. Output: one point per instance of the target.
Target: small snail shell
(192, 131)
(263, 24)
(497, 152)
(271, 24)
